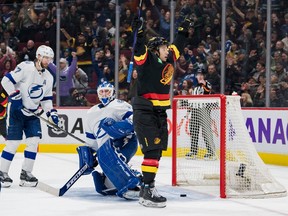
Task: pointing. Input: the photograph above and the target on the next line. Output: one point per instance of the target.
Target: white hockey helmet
(106, 93)
(44, 51)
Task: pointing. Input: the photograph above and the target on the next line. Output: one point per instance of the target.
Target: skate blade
(24, 183)
(148, 203)
(6, 184)
(131, 195)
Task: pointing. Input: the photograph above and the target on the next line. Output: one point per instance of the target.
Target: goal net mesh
(199, 141)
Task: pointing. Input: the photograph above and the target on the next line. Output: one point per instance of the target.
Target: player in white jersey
(110, 136)
(28, 86)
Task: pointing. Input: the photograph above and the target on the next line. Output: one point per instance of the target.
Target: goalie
(110, 134)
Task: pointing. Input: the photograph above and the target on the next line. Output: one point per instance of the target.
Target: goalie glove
(53, 116)
(116, 130)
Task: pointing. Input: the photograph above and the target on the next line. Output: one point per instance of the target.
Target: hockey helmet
(155, 42)
(106, 93)
(46, 51)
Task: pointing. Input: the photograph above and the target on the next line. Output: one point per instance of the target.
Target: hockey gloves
(137, 25)
(184, 27)
(116, 130)
(16, 104)
(53, 116)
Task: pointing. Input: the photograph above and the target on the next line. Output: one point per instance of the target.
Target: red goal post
(211, 146)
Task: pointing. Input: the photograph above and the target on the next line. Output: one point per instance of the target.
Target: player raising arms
(28, 86)
(155, 71)
(110, 133)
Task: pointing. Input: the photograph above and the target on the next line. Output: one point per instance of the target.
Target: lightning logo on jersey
(35, 91)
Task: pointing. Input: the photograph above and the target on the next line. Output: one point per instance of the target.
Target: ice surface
(81, 199)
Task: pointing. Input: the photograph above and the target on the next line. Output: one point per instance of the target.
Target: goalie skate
(132, 194)
(27, 179)
(6, 181)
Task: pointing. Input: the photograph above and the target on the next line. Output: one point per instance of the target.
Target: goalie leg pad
(127, 147)
(85, 154)
(116, 169)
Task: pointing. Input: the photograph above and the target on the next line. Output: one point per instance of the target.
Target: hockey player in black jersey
(155, 71)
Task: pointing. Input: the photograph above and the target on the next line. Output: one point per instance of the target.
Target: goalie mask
(106, 93)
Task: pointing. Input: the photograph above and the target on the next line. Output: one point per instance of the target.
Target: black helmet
(155, 42)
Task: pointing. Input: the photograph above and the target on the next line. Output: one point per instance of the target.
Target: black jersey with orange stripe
(154, 75)
(3, 103)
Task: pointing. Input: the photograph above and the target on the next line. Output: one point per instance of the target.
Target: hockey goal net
(211, 146)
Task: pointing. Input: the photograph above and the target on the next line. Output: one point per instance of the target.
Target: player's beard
(44, 65)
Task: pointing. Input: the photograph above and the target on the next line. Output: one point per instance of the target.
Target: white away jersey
(116, 109)
(33, 85)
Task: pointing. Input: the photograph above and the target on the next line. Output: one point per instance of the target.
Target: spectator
(98, 33)
(186, 88)
(181, 67)
(164, 28)
(5, 49)
(83, 47)
(280, 72)
(7, 64)
(29, 52)
(98, 65)
(246, 100)
(66, 77)
(123, 71)
(216, 61)
(259, 98)
(213, 78)
(110, 28)
(27, 18)
(76, 99)
(80, 80)
(260, 69)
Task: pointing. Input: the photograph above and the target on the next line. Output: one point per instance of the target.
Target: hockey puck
(183, 195)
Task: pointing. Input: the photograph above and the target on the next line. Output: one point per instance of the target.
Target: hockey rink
(81, 199)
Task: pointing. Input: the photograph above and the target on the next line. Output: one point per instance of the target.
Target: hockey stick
(47, 188)
(60, 192)
(53, 125)
(129, 76)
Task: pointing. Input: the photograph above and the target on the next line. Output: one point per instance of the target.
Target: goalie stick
(134, 43)
(47, 188)
(60, 192)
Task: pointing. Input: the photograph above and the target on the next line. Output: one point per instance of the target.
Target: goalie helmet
(46, 51)
(106, 93)
(155, 42)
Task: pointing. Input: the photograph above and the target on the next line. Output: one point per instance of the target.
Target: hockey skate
(6, 181)
(149, 197)
(27, 179)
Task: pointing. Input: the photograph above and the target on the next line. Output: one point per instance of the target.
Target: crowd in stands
(88, 43)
